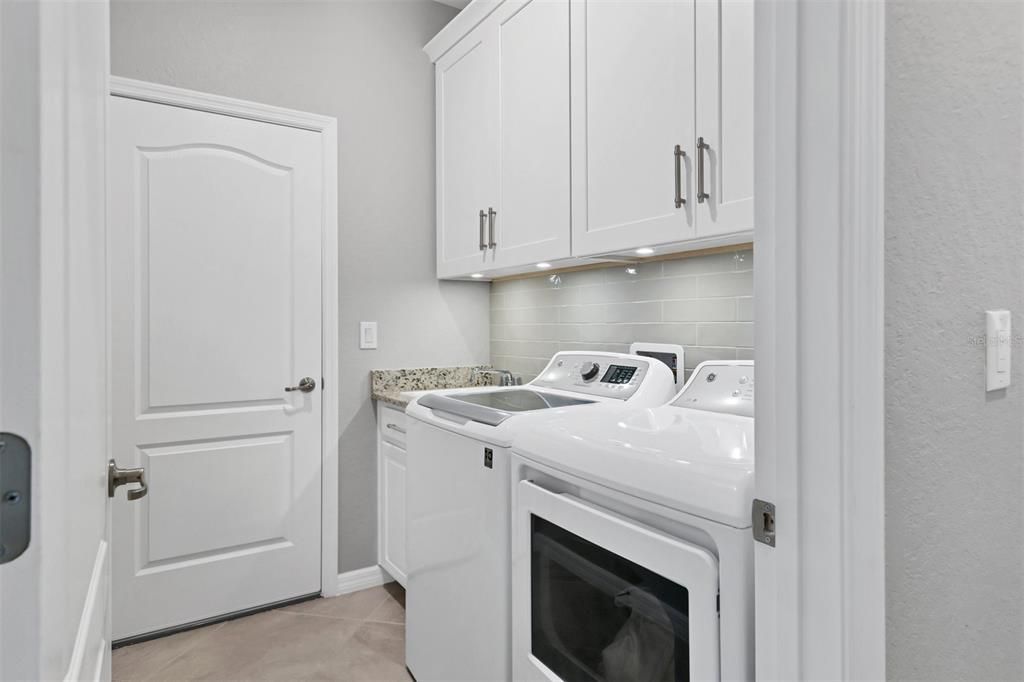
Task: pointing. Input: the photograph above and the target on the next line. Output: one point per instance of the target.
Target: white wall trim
(819, 338)
(361, 579)
(464, 22)
(327, 127)
(86, 664)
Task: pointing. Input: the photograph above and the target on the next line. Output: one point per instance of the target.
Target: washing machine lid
(494, 407)
(691, 460)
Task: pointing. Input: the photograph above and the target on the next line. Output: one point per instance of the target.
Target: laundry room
(419, 340)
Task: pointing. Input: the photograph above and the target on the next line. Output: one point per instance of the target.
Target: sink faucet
(507, 378)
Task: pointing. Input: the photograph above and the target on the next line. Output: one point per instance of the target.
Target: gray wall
(703, 303)
(954, 247)
(362, 63)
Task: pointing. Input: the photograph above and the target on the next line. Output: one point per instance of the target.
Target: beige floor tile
(392, 609)
(377, 652)
(142, 661)
(355, 606)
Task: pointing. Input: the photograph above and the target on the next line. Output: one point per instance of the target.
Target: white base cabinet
(391, 466)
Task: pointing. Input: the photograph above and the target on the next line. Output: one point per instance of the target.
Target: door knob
(306, 385)
(117, 477)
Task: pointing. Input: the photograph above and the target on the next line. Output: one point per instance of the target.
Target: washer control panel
(721, 386)
(611, 375)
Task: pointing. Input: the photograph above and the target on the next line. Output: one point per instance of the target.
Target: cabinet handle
(491, 215)
(396, 427)
(483, 228)
(701, 194)
(679, 154)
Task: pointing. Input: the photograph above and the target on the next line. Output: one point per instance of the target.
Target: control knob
(589, 370)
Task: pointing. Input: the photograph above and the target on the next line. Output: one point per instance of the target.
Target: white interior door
(54, 598)
(725, 114)
(215, 264)
(532, 223)
(632, 103)
(467, 152)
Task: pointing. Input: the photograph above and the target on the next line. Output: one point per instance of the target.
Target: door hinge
(762, 518)
(15, 496)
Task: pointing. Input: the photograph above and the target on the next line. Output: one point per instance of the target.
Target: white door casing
(54, 598)
(632, 102)
(532, 223)
(215, 275)
(725, 114)
(819, 188)
(467, 152)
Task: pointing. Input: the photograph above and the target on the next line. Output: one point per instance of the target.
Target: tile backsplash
(704, 303)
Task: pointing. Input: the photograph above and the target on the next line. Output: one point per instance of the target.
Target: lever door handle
(117, 477)
(306, 385)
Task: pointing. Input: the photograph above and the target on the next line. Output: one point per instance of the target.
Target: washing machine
(458, 622)
(632, 554)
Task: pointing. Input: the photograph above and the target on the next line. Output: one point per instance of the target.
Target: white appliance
(458, 622)
(632, 555)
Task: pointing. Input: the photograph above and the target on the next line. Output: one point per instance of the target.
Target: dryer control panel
(720, 386)
(608, 375)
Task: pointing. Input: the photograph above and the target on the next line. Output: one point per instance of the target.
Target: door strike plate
(762, 517)
(15, 496)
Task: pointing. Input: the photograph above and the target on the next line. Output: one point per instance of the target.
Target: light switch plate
(998, 349)
(367, 335)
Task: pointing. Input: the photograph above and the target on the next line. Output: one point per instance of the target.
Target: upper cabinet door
(725, 114)
(632, 103)
(532, 223)
(467, 152)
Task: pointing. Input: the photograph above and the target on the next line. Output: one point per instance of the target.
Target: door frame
(820, 337)
(327, 128)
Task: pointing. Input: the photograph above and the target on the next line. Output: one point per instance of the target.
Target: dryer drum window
(598, 616)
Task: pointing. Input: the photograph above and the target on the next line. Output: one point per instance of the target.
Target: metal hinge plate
(15, 496)
(762, 518)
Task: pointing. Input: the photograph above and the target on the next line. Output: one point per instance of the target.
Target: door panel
(214, 252)
(467, 146)
(725, 114)
(632, 102)
(533, 221)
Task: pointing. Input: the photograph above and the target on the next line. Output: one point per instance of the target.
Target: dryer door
(597, 596)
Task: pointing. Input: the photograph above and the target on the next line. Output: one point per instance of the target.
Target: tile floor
(358, 636)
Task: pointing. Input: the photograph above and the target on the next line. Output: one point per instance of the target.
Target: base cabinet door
(392, 555)
(467, 153)
(725, 115)
(532, 219)
(632, 95)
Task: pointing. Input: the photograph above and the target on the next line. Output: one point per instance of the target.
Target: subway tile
(606, 333)
(649, 311)
(745, 309)
(580, 278)
(525, 316)
(532, 298)
(700, 310)
(497, 300)
(633, 272)
(735, 334)
(698, 354)
(700, 265)
(678, 287)
(682, 334)
(726, 284)
(582, 314)
(568, 332)
(598, 347)
(524, 349)
(744, 353)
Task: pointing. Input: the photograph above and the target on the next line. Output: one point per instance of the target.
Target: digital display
(618, 374)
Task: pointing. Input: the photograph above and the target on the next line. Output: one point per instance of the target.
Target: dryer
(632, 555)
(458, 599)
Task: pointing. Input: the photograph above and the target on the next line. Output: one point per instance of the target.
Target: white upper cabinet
(725, 115)
(467, 148)
(570, 129)
(632, 103)
(532, 221)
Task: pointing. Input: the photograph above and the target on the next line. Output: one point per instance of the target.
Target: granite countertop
(388, 385)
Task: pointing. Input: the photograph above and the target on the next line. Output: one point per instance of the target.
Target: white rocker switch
(998, 347)
(367, 335)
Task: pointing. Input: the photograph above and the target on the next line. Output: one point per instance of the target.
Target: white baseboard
(361, 579)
